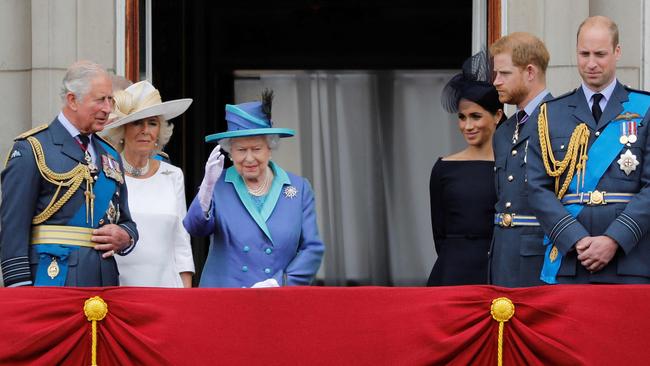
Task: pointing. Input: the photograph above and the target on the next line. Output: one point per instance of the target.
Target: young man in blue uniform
(64, 205)
(587, 172)
(516, 256)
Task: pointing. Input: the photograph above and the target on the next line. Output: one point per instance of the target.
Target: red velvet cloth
(552, 325)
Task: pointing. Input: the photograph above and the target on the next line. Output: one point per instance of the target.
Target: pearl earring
(156, 143)
(121, 141)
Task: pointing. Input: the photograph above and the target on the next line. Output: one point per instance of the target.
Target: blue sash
(601, 154)
(104, 189)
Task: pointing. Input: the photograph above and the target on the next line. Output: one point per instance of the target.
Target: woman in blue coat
(262, 220)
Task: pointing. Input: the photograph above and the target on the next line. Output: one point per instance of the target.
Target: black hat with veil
(474, 83)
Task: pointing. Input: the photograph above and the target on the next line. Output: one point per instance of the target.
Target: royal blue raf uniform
(611, 198)
(51, 202)
(516, 254)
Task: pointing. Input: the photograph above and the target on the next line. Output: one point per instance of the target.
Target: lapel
(529, 126)
(581, 110)
(614, 106)
(61, 137)
(281, 178)
(99, 150)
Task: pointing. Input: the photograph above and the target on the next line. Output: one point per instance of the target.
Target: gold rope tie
(95, 309)
(71, 179)
(502, 310)
(575, 160)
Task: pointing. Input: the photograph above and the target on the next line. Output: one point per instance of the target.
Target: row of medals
(628, 161)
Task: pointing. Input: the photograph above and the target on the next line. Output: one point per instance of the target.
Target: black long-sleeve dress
(462, 197)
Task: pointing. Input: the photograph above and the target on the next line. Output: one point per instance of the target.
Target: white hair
(272, 141)
(116, 135)
(78, 77)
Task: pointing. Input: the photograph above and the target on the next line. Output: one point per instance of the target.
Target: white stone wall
(39, 39)
(556, 23)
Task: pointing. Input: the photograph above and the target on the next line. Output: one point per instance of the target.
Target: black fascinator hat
(474, 83)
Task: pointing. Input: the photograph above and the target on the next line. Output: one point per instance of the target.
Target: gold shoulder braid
(575, 158)
(71, 179)
(31, 132)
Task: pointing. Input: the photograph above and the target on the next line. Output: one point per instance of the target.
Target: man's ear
(71, 101)
(531, 72)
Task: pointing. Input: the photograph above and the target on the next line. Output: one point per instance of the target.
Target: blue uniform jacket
(517, 254)
(248, 246)
(626, 223)
(25, 194)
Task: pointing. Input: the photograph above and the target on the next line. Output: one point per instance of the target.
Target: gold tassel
(95, 309)
(574, 159)
(502, 310)
(71, 179)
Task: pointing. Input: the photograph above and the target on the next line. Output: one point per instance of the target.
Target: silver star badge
(628, 162)
(291, 191)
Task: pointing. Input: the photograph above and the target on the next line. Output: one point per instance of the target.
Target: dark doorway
(198, 44)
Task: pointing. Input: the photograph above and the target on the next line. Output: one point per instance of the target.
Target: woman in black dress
(462, 184)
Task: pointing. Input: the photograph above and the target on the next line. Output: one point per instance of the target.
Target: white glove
(271, 282)
(213, 169)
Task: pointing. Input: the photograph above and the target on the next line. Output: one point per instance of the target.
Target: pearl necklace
(135, 171)
(262, 188)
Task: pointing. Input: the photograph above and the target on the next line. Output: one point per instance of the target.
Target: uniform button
(561, 147)
(268, 250)
(267, 270)
(508, 204)
(244, 268)
(246, 248)
(495, 169)
(597, 133)
(514, 152)
(510, 178)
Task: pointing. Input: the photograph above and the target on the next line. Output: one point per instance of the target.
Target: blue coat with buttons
(517, 254)
(248, 245)
(626, 223)
(25, 193)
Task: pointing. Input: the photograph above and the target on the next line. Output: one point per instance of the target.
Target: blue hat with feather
(250, 119)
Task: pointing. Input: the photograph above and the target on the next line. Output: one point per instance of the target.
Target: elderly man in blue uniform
(262, 220)
(516, 256)
(588, 173)
(64, 202)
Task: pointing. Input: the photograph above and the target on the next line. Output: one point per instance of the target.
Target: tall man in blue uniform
(64, 205)
(516, 256)
(589, 171)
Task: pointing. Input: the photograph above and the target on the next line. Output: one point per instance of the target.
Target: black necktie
(595, 108)
(522, 117)
(85, 140)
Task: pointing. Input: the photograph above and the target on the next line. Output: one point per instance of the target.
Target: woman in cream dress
(140, 129)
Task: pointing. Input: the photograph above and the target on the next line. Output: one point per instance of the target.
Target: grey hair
(116, 135)
(272, 141)
(78, 77)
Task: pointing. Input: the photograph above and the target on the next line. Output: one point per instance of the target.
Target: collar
(530, 107)
(72, 130)
(279, 180)
(606, 92)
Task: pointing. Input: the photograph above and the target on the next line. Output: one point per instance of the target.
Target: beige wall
(556, 23)
(39, 39)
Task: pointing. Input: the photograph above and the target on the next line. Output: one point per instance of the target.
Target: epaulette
(33, 131)
(163, 154)
(563, 95)
(107, 141)
(628, 88)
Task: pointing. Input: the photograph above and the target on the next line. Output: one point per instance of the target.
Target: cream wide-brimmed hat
(142, 100)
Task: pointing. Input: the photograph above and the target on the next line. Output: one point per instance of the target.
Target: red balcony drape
(552, 325)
